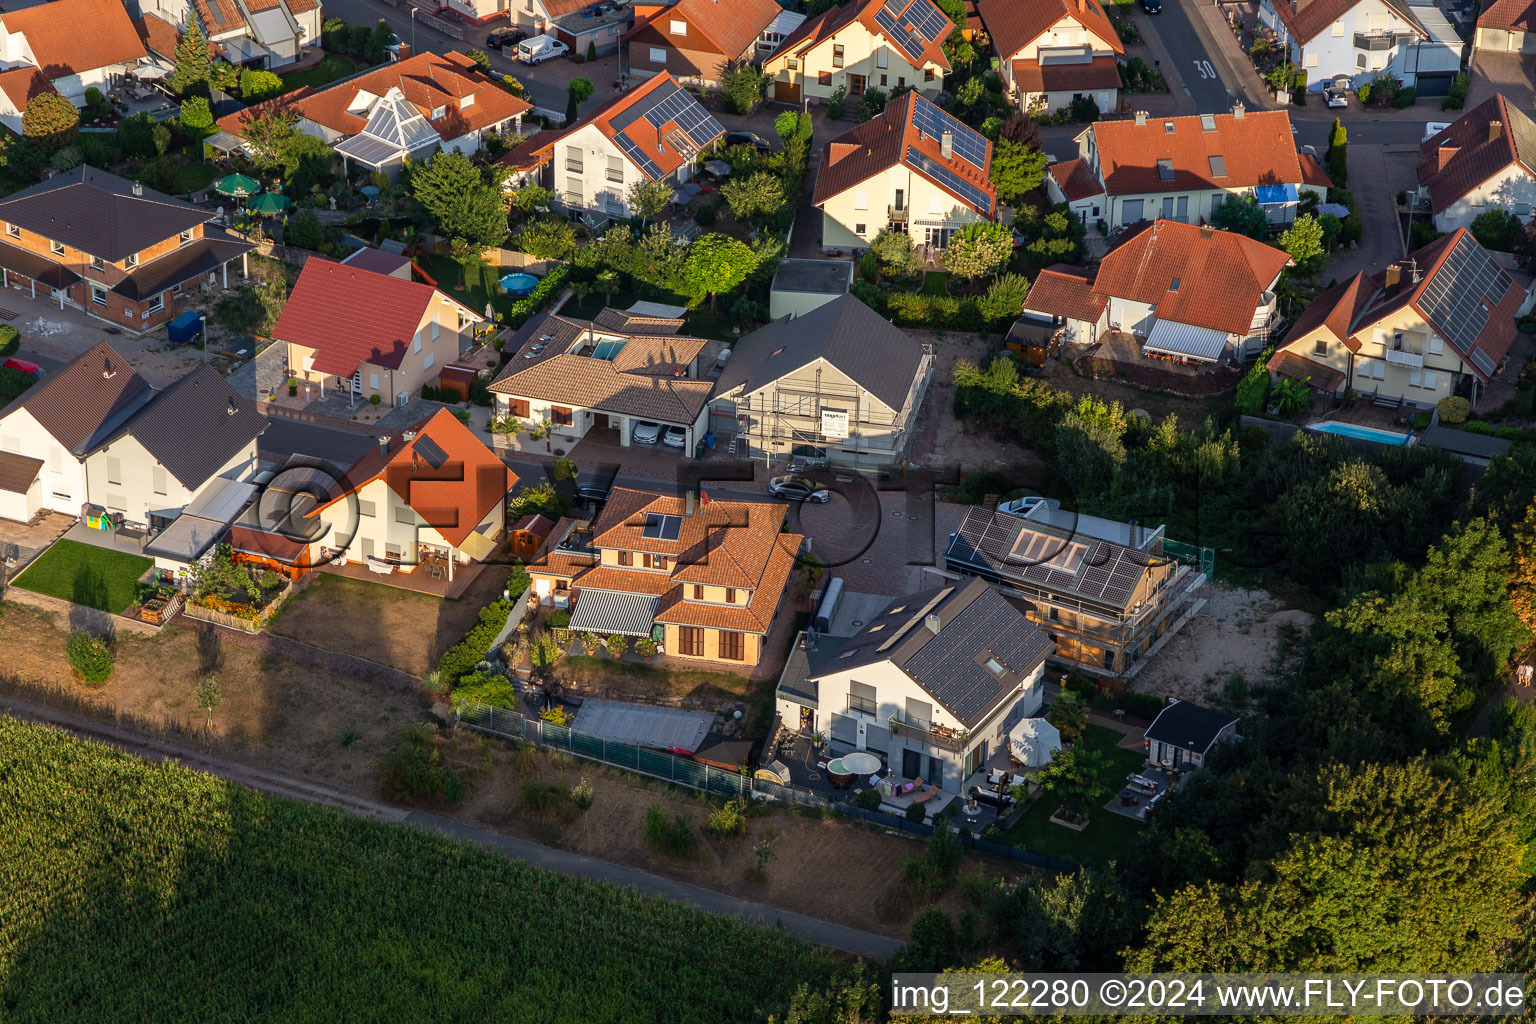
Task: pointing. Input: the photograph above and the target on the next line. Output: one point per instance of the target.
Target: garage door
(1434, 84)
(786, 92)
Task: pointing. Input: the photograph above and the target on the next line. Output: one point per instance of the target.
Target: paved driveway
(1376, 175)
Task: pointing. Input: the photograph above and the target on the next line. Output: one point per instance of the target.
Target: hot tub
(519, 285)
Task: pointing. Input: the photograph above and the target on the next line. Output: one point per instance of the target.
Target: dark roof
(17, 472)
(975, 621)
(876, 354)
(197, 425)
(824, 277)
(39, 268)
(1461, 442)
(377, 260)
(99, 213)
(1188, 726)
(201, 256)
(1475, 147)
(89, 399)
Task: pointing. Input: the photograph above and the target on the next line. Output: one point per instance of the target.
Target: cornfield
(139, 891)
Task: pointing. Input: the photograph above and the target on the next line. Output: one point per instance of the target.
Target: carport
(1185, 341)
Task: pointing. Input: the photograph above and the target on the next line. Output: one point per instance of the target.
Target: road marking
(1205, 69)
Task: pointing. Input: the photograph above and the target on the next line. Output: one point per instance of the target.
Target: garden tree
(648, 199)
(743, 86)
(1469, 574)
(1056, 237)
(193, 64)
(1522, 577)
(467, 209)
(756, 198)
(896, 251)
(50, 121)
(1079, 778)
(267, 132)
(1016, 170)
(565, 469)
(607, 281)
(1020, 129)
(547, 239)
(1241, 214)
(529, 198)
(1396, 868)
(717, 263)
(659, 260)
(1303, 242)
(480, 57)
(1005, 297)
(1501, 768)
(1089, 445)
(614, 250)
(1061, 922)
(67, 159)
(224, 76)
(257, 85)
(209, 699)
(377, 43)
(306, 162)
(542, 431)
(1499, 229)
(577, 92)
(1337, 157)
(786, 126)
(979, 249)
(303, 230)
(196, 115)
(1069, 714)
(852, 995)
(1333, 230)
(1291, 397)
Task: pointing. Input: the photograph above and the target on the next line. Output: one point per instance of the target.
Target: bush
(484, 690)
(90, 656)
(1478, 427)
(461, 659)
(560, 618)
(1407, 98)
(374, 399)
(706, 214)
(916, 813)
(1420, 420)
(869, 799)
(1363, 94)
(1510, 433)
(522, 309)
(1497, 228)
(745, 311)
(541, 797)
(728, 820)
(10, 340)
(413, 771)
(1457, 97)
(303, 230)
(1454, 409)
(1142, 705)
(869, 267)
(1253, 389)
(671, 836)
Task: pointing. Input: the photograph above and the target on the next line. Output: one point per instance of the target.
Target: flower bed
(1151, 378)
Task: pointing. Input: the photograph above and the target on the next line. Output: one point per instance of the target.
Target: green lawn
(935, 283)
(96, 577)
(482, 277)
(333, 68)
(1108, 836)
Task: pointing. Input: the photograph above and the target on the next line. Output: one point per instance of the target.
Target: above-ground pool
(519, 285)
(1359, 433)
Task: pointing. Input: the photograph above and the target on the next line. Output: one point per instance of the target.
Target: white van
(540, 49)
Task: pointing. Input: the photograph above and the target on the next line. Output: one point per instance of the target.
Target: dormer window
(57, 248)
(438, 112)
(97, 263)
(467, 101)
(131, 261)
(186, 236)
(12, 230)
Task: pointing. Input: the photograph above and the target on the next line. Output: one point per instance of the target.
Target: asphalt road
(1203, 67)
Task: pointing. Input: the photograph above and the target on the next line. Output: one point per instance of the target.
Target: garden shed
(799, 286)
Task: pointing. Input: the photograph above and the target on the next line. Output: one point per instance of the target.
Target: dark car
(748, 139)
(1152, 6)
(797, 488)
(592, 495)
(505, 37)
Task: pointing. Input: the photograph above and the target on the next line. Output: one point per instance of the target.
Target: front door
(856, 84)
(599, 421)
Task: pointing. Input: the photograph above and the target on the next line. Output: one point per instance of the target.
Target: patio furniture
(926, 795)
(907, 787)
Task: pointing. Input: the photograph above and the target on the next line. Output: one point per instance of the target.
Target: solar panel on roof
(897, 32)
(970, 144)
(966, 190)
(1453, 299)
(430, 453)
(928, 19)
(638, 156)
(659, 526)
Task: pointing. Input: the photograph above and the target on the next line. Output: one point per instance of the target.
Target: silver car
(675, 437)
(645, 433)
(798, 488)
(1027, 504)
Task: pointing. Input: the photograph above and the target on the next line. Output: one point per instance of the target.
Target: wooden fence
(218, 618)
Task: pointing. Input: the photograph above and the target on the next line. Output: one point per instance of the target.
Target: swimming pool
(519, 285)
(1359, 433)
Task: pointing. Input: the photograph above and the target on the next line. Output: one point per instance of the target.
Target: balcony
(932, 735)
(1375, 42)
(898, 214)
(1404, 358)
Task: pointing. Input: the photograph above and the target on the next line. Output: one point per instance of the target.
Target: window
(1431, 379)
(366, 508)
(995, 667)
(1167, 206)
(861, 199)
(1436, 346)
(882, 58)
(626, 558)
(114, 470)
(131, 261)
(698, 592)
(185, 237)
(57, 248)
(616, 169)
(392, 550)
(13, 230)
(678, 27)
(837, 55)
(98, 295)
(157, 480)
(373, 381)
(730, 595)
(901, 81)
(653, 561)
(1320, 347)
(426, 363)
(560, 415)
(1130, 211)
(690, 641)
(438, 112)
(1311, 60)
(861, 229)
(437, 329)
(416, 341)
(882, 81)
(1359, 60)
(403, 514)
(792, 65)
(573, 159)
(658, 55)
(823, 78)
(1338, 29)
(97, 263)
(518, 407)
(928, 74)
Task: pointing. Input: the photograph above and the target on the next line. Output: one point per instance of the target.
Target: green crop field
(138, 891)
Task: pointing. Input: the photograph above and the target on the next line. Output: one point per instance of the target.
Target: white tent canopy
(1033, 741)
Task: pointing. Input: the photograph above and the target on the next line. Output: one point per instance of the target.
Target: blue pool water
(1359, 433)
(519, 285)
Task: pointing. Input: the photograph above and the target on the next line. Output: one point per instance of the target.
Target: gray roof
(197, 425)
(201, 256)
(88, 400)
(1189, 726)
(1463, 443)
(875, 353)
(824, 277)
(377, 260)
(99, 213)
(976, 622)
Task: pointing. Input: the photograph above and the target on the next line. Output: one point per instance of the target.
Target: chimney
(947, 144)
(1207, 230)
(1141, 117)
(932, 622)
(383, 444)
(1495, 129)
(409, 435)
(404, 52)
(1394, 278)
(687, 503)
(1082, 5)
(1237, 109)
(138, 188)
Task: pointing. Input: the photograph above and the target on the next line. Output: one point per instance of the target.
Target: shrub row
(931, 312)
(522, 309)
(10, 340)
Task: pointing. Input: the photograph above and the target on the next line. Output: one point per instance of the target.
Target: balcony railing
(1404, 358)
(898, 214)
(1368, 41)
(933, 735)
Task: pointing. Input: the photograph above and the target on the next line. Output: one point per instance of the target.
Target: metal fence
(654, 763)
(1203, 559)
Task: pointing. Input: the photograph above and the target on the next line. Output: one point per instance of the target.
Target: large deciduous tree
(979, 249)
(1017, 170)
(51, 121)
(755, 198)
(1243, 215)
(465, 207)
(717, 263)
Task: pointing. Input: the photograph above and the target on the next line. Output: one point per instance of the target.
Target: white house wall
(62, 475)
(1509, 189)
(143, 486)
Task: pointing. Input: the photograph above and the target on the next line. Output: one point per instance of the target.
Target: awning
(1186, 341)
(149, 72)
(366, 149)
(186, 539)
(225, 142)
(222, 500)
(605, 612)
(1275, 195)
(242, 49)
(1033, 741)
(642, 726)
(477, 546)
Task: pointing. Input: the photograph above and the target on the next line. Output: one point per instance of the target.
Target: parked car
(744, 138)
(590, 495)
(1152, 6)
(645, 433)
(1027, 504)
(540, 49)
(1336, 97)
(798, 488)
(505, 37)
(675, 437)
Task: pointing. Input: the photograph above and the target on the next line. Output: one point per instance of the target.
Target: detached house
(605, 375)
(410, 109)
(1483, 160)
(73, 45)
(702, 578)
(1435, 323)
(864, 44)
(839, 383)
(1506, 26)
(697, 41)
(932, 684)
(1055, 51)
(1183, 168)
(259, 33)
(397, 334)
(913, 168)
(112, 247)
(1350, 42)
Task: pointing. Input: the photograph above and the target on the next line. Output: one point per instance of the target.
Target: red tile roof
(21, 84)
(1318, 375)
(1076, 179)
(349, 316)
(70, 37)
(218, 16)
(1309, 19)
(1066, 291)
(1519, 15)
(1192, 275)
(733, 29)
(813, 32)
(1473, 148)
(1312, 172)
(888, 139)
(533, 152)
(451, 497)
(1256, 148)
(1014, 24)
(1336, 309)
(1098, 73)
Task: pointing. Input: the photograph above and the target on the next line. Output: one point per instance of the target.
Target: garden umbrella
(239, 186)
(269, 203)
(371, 191)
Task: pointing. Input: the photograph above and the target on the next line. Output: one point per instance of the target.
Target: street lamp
(413, 31)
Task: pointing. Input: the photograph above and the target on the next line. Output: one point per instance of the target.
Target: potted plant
(293, 387)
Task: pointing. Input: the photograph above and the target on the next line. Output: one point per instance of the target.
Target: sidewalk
(1176, 101)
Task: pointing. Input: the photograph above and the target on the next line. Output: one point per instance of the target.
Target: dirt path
(1236, 632)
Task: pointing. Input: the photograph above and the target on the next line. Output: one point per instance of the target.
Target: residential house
(576, 23)
(1183, 734)
(398, 333)
(931, 173)
(1347, 43)
(161, 37)
(1063, 299)
(653, 132)
(1436, 323)
(1485, 159)
(864, 44)
(1190, 293)
(110, 246)
(259, 33)
(1106, 593)
(391, 264)
(703, 578)
(697, 41)
(75, 44)
(932, 684)
(1506, 26)
(1183, 168)
(412, 109)
(800, 285)
(839, 383)
(1054, 52)
(606, 375)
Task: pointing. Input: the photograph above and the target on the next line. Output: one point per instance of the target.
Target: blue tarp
(185, 327)
(1275, 195)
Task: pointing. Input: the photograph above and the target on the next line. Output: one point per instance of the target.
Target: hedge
(1253, 389)
(522, 309)
(460, 659)
(10, 340)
